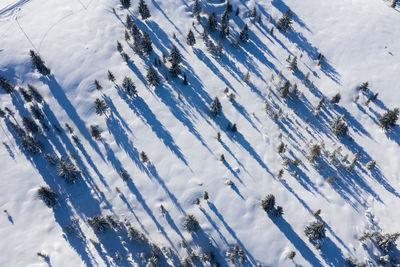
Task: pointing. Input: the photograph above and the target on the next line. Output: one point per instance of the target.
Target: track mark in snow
(12, 7)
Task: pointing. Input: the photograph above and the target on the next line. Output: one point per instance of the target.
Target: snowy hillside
(298, 121)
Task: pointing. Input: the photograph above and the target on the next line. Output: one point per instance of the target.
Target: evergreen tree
(191, 224)
(253, 12)
(26, 95)
(2, 114)
(211, 47)
(320, 58)
(268, 203)
(126, 57)
(48, 196)
(225, 17)
(394, 3)
(124, 174)
(95, 132)
(146, 44)
(67, 171)
(335, 99)
(175, 69)
(211, 22)
(99, 224)
(144, 10)
(38, 63)
(119, 47)
(136, 45)
(129, 23)
(135, 31)
(196, 7)
(215, 107)
(244, 34)
(218, 49)
(31, 145)
(100, 106)
(190, 40)
(315, 230)
(35, 93)
(224, 31)
(174, 55)
(97, 85)
(152, 77)
(293, 64)
(285, 22)
(111, 76)
(285, 89)
(144, 157)
(339, 126)
(30, 125)
(6, 85)
(126, 3)
(129, 87)
(389, 118)
(127, 37)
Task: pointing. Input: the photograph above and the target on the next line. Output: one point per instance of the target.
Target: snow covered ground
(77, 39)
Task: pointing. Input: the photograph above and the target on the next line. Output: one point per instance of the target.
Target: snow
(77, 39)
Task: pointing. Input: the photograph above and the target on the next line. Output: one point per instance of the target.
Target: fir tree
(38, 63)
(124, 174)
(111, 76)
(315, 230)
(129, 87)
(119, 47)
(126, 3)
(144, 157)
(211, 22)
(48, 196)
(35, 93)
(285, 22)
(268, 203)
(95, 132)
(293, 64)
(244, 34)
(144, 10)
(389, 118)
(191, 224)
(99, 224)
(215, 107)
(174, 55)
(67, 171)
(136, 45)
(196, 7)
(135, 31)
(6, 85)
(26, 95)
(100, 107)
(30, 144)
(127, 37)
(335, 99)
(128, 21)
(339, 127)
(30, 125)
(285, 89)
(97, 85)
(152, 77)
(146, 44)
(190, 40)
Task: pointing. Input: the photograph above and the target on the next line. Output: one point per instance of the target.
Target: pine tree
(136, 45)
(128, 21)
(196, 7)
(253, 12)
(146, 44)
(38, 63)
(285, 89)
(174, 55)
(190, 40)
(218, 49)
(95, 132)
(144, 157)
(293, 64)
(268, 203)
(100, 107)
(152, 77)
(126, 57)
(111, 76)
(26, 95)
(124, 174)
(211, 22)
(335, 99)
(339, 126)
(315, 230)
(185, 81)
(35, 93)
(119, 47)
(6, 85)
(144, 10)
(191, 224)
(126, 3)
(215, 107)
(394, 3)
(389, 118)
(97, 85)
(31, 145)
(285, 22)
(244, 34)
(129, 87)
(30, 125)
(48, 196)
(127, 37)
(99, 224)
(67, 171)
(135, 31)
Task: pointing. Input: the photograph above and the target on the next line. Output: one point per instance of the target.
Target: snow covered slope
(171, 123)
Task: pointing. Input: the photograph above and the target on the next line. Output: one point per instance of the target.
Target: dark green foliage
(97, 85)
(215, 107)
(196, 7)
(35, 93)
(244, 34)
(126, 3)
(383, 241)
(175, 69)
(205, 195)
(30, 125)
(30, 144)
(124, 174)
(278, 212)
(111, 76)
(190, 40)
(320, 58)
(281, 148)
(174, 55)
(6, 85)
(152, 77)
(339, 126)
(48, 196)
(38, 63)
(211, 22)
(146, 45)
(95, 132)
(129, 87)
(134, 29)
(389, 118)
(26, 95)
(144, 157)
(136, 235)
(285, 22)
(126, 57)
(67, 171)
(99, 224)
(191, 224)
(129, 23)
(119, 47)
(268, 203)
(285, 89)
(144, 10)
(335, 99)
(293, 64)
(100, 107)
(315, 230)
